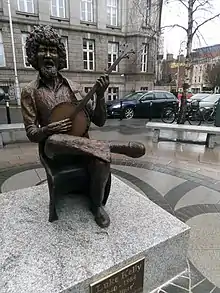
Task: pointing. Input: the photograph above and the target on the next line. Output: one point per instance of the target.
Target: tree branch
(204, 22)
(184, 4)
(201, 5)
(174, 25)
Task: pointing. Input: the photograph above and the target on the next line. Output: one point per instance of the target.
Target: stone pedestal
(70, 254)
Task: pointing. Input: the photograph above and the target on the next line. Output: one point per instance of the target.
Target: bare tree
(193, 7)
(213, 75)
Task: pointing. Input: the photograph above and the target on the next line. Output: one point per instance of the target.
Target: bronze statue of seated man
(47, 54)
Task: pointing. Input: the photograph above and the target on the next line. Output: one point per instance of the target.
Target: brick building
(93, 31)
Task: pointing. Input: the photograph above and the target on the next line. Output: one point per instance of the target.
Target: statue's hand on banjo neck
(76, 112)
(103, 83)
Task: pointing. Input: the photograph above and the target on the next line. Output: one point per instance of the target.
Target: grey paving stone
(191, 211)
(20, 180)
(174, 195)
(217, 207)
(148, 190)
(162, 182)
(217, 185)
(210, 208)
(186, 213)
(198, 195)
(174, 289)
(195, 275)
(203, 287)
(41, 173)
(182, 281)
(204, 245)
(134, 186)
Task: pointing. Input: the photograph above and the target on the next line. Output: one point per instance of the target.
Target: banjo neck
(90, 94)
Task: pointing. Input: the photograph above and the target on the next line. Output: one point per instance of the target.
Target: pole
(178, 74)
(121, 111)
(17, 87)
(8, 111)
(150, 111)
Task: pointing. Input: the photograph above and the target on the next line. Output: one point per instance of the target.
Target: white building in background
(201, 58)
(93, 31)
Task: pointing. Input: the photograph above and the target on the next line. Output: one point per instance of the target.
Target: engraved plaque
(130, 279)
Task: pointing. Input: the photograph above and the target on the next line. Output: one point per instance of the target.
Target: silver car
(199, 96)
(209, 101)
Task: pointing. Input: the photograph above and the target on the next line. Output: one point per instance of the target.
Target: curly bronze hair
(44, 35)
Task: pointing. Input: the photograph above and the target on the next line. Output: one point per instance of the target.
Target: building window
(112, 12)
(26, 6)
(23, 40)
(87, 10)
(58, 8)
(144, 88)
(86, 90)
(144, 58)
(113, 93)
(88, 54)
(65, 42)
(113, 49)
(2, 52)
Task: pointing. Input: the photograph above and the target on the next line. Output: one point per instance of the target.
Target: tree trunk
(183, 106)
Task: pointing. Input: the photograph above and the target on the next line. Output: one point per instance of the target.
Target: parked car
(209, 101)
(142, 104)
(199, 96)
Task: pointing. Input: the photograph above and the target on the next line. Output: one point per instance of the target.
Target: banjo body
(65, 110)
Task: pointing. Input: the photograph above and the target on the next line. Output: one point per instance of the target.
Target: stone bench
(11, 133)
(211, 131)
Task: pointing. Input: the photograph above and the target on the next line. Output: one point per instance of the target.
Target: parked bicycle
(193, 114)
(209, 113)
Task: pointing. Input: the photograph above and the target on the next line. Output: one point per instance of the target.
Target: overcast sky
(175, 12)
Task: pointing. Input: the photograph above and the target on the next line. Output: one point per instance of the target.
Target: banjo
(76, 112)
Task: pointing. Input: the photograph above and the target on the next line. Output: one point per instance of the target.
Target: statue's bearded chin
(48, 73)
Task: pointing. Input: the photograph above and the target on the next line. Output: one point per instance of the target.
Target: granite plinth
(73, 252)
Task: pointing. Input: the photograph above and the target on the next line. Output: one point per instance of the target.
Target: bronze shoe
(130, 149)
(101, 217)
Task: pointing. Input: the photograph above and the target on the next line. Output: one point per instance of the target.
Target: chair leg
(107, 190)
(156, 135)
(210, 142)
(52, 208)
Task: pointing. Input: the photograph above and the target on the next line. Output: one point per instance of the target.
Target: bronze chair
(59, 176)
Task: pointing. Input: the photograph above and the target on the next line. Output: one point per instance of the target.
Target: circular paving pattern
(193, 198)
(204, 252)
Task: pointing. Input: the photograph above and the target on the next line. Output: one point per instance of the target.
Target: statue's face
(48, 61)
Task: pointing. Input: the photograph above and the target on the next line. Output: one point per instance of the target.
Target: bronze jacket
(38, 100)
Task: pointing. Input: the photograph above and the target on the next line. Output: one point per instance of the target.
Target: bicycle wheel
(208, 116)
(168, 115)
(195, 117)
